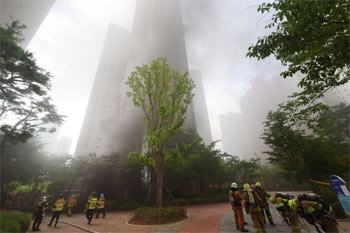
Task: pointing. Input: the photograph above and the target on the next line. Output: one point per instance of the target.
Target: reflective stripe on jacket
(101, 203)
(59, 205)
(92, 203)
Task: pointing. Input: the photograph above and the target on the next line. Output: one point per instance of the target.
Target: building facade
(116, 125)
(31, 13)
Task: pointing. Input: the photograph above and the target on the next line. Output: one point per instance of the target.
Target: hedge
(112, 205)
(15, 221)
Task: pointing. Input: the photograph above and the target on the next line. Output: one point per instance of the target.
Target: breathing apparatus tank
(284, 196)
(310, 197)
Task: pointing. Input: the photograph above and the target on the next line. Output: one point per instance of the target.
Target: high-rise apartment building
(63, 145)
(242, 131)
(114, 124)
(31, 13)
(200, 108)
(105, 104)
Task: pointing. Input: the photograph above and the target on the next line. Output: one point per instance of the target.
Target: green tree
(303, 156)
(310, 38)
(240, 171)
(22, 164)
(163, 95)
(26, 107)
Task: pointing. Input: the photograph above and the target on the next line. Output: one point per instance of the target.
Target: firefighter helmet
(257, 184)
(234, 185)
(273, 200)
(246, 186)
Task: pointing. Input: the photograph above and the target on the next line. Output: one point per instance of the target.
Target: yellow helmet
(234, 185)
(273, 200)
(246, 186)
(257, 184)
(292, 204)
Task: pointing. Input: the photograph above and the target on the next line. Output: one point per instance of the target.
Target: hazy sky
(218, 34)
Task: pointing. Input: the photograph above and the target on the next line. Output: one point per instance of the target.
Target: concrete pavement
(214, 218)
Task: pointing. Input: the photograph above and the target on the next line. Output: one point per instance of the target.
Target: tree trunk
(160, 176)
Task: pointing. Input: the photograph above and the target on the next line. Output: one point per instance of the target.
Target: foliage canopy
(311, 38)
(163, 95)
(24, 90)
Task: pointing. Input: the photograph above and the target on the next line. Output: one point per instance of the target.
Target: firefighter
(252, 203)
(236, 202)
(265, 205)
(101, 206)
(39, 213)
(71, 203)
(58, 207)
(91, 206)
(314, 208)
(290, 215)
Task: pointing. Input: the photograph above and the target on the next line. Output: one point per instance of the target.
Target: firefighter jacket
(72, 202)
(251, 200)
(263, 195)
(235, 198)
(58, 206)
(92, 203)
(101, 203)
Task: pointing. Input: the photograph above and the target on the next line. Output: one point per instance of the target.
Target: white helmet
(234, 185)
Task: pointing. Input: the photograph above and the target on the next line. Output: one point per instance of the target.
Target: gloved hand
(247, 211)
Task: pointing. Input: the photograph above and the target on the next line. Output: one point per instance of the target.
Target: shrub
(121, 205)
(149, 215)
(9, 225)
(10, 220)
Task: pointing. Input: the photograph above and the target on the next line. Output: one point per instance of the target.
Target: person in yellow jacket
(236, 203)
(58, 207)
(265, 205)
(316, 210)
(71, 203)
(252, 203)
(287, 210)
(101, 206)
(91, 206)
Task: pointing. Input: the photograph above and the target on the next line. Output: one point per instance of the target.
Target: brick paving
(214, 218)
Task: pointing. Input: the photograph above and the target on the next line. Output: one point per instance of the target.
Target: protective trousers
(89, 214)
(329, 225)
(69, 211)
(101, 210)
(37, 221)
(238, 217)
(266, 209)
(55, 215)
(294, 221)
(258, 221)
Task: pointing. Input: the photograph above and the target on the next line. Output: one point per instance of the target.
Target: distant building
(242, 131)
(63, 145)
(235, 138)
(112, 123)
(31, 13)
(200, 109)
(105, 103)
(49, 140)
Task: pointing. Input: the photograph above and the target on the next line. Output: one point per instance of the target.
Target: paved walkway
(214, 218)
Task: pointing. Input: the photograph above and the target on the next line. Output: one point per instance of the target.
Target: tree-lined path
(214, 218)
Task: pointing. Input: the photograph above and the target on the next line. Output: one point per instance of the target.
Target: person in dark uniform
(39, 213)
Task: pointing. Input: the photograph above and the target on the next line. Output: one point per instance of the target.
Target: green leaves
(163, 95)
(307, 151)
(310, 37)
(24, 89)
